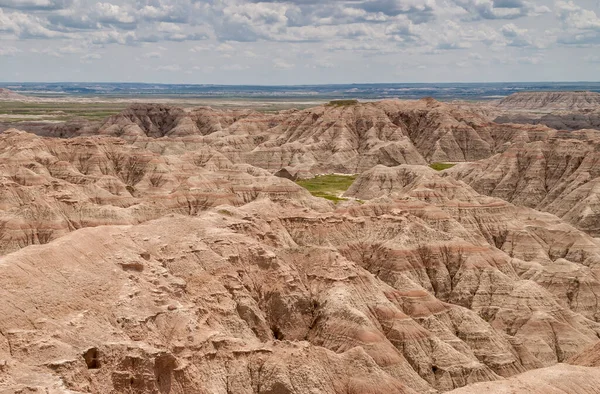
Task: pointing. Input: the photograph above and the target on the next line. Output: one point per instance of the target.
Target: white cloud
(516, 37)
(112, 13)
(281, 64)
(580, 26)
(25, 26)
(574, 16)
(9, 51)
(90, 57)
(235, 67)
(169, 67)
(343, 40)
(152, 55)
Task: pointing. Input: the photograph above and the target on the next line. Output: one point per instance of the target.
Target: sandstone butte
(158, 252)
(558, 110)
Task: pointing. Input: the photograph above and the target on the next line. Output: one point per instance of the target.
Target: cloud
(594, 59)
(9, 51)
(313, 37)
(418, 11)
(580, 26)
(163, 11)
(31, 5)
(574, 16)
(280, 64)
(169, 67)
(152, 55)
(25, 26)
(108, 13)
(516, 37)
(89, 58)
(113, 37)
(235, 67)
(499, 9)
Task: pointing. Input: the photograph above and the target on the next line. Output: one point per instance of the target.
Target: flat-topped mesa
(551, 101)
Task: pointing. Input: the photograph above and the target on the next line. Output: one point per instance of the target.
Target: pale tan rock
(178, 263)
(551, 101)
(557, 379)
(560, 176)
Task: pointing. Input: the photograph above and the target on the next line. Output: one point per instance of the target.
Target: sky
(277, 42)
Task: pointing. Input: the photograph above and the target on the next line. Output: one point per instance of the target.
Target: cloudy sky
(299, 41)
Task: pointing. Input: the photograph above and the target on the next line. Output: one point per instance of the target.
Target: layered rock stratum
(560, 176)
(561, 100)
(159, 253)
(558, 110)
(328, 138)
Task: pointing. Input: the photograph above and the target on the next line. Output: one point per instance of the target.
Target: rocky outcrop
(51, 187)
(558, 379)
(559, 176)
(156, 120)
(245, 301)
(348, 138)
(427, 286)
(331, 138)
(557, 110)
(171, 259)
(9, 95)
(551, 101)
(560, 121)
(589, 357)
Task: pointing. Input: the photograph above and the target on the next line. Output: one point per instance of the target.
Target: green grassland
(329, 187)
(441, 166)
(57, 111)
(342, 103)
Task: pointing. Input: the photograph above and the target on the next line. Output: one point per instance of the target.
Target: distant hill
(551, 101)
(9, 95)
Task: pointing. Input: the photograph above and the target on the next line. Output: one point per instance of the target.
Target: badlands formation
(168, 251)
(558, 110)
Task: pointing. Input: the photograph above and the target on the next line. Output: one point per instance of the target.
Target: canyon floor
(349, 247)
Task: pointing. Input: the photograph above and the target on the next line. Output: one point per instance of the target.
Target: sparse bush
(342, 103)
(116, 158)
(84, 163)
(196, 204)
(135, 169)
(328, 186)
(39, 232)
(202, 157)
(441, 166)
(130, 168)
(3, 230)
(157, 179)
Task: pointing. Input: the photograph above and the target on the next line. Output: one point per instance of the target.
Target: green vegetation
(225, 212)
(57, 111)
(342, 103)
(328, 186)
(441, 166)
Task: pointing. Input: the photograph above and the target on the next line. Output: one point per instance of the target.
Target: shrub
(441, 166)
(342, 103)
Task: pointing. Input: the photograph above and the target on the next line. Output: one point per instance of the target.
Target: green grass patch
(329, 187)
(61, 111)
(342, 103)
(441, 166)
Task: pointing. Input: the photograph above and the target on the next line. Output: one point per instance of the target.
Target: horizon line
(296, 85)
